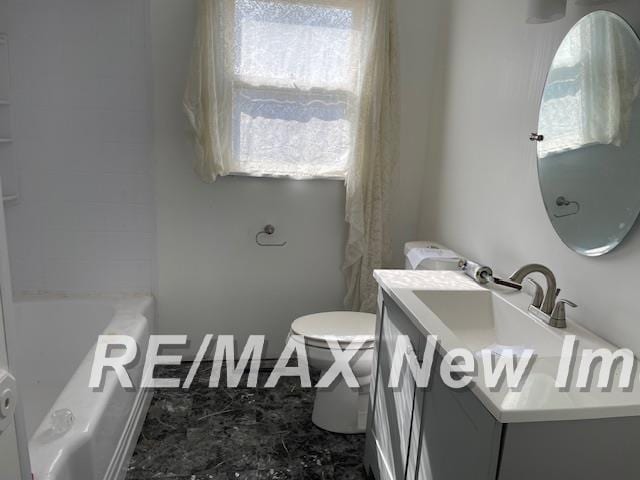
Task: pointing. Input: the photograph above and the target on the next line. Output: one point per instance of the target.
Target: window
(294, 73)
(302, 88)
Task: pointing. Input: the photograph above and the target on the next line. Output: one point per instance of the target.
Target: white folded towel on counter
(418, 255)
(496, 349)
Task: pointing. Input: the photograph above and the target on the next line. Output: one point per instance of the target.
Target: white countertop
(538, 400)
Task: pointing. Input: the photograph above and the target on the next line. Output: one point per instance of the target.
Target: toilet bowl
(339, 408)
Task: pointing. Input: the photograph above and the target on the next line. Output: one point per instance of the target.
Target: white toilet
(339, 408)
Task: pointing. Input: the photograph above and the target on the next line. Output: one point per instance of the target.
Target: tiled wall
(81, 108)
(8, 169)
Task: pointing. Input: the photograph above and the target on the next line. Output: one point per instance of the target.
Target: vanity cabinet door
(459, 438)
(394, 407)
(372, 455)
(595, 449)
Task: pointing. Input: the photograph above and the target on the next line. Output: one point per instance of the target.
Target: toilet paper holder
(268, 230)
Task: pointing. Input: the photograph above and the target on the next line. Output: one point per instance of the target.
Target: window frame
(351, 97)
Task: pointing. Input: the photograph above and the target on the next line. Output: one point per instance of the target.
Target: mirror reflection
(589, 157)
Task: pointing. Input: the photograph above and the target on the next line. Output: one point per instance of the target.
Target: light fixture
(545, 11)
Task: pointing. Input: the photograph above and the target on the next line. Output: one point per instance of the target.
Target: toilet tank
(425, 255)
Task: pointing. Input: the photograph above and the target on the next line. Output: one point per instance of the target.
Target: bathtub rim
(130, 311)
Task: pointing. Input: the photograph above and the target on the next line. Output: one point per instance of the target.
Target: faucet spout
(550, 296)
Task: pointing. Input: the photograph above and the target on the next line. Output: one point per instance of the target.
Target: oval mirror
(589, 135)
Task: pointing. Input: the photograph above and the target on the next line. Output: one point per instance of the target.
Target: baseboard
(117, 469)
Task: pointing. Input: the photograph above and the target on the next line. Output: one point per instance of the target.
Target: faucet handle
(558, 317)
(567, 302)
(538, 293)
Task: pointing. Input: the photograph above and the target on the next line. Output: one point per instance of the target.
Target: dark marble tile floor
(240, 433)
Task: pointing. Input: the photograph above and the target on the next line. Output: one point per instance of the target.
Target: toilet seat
(344, 327)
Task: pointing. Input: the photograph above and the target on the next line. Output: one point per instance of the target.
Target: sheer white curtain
(208, 97)
(369, 177)
(303, 89)
(591, 88)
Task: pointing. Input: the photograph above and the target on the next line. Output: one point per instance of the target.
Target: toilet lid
(341, 326)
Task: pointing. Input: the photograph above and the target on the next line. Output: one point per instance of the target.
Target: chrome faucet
(544, 306)
(549, 301)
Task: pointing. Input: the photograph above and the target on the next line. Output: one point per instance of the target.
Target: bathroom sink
(465, 315)
(481, 319)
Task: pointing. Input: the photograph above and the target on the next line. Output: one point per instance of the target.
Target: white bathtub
(56, 344)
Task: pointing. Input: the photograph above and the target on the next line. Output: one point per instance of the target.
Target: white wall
(81, 123)
(481, 194)
(212, 277)
(418, 29)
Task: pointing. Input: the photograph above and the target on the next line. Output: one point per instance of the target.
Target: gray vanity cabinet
(440, 433)
(418, 434)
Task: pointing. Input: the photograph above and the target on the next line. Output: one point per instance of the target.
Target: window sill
(287, 176)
